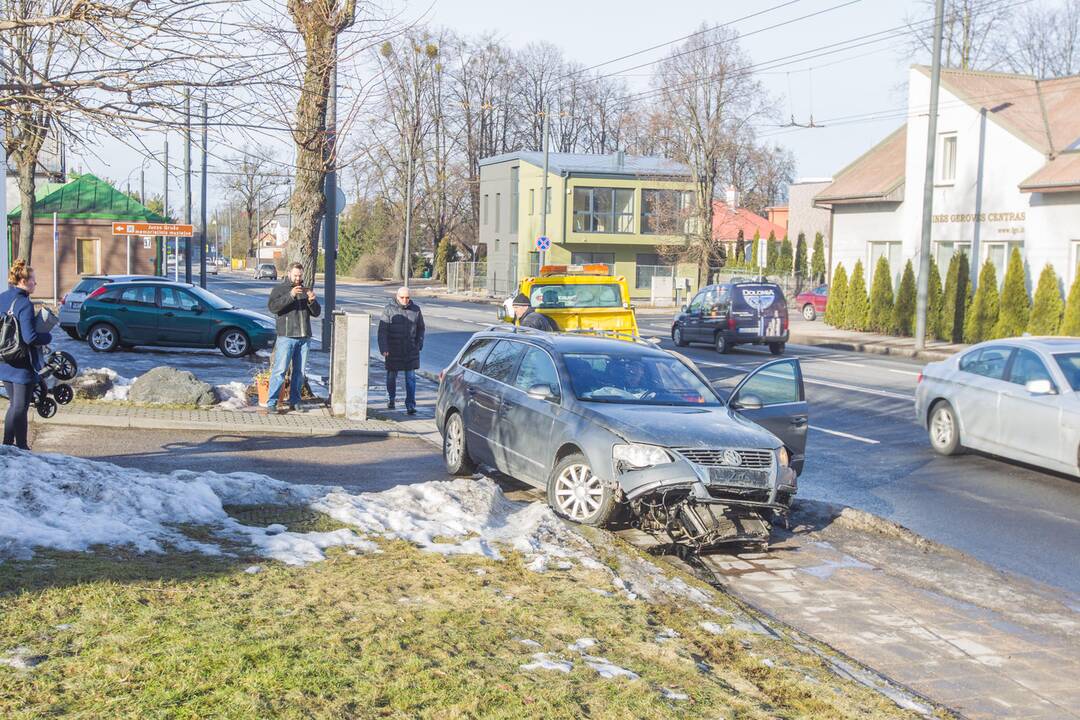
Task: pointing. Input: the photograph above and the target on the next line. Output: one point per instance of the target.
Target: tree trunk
(26, 211)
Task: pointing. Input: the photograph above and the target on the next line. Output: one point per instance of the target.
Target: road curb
(817, 511)
(868, 348)
(145, 423)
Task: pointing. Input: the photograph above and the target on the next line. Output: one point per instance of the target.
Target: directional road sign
(158, 229)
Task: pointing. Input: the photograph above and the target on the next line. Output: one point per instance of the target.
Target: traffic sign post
(543, 243)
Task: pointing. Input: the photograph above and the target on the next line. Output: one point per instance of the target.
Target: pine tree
(817, 261)
(785, 260)
(879, 318)
(772, 254)
(1046, 310)
(857, 304)
(446, 252)
(834, 308)
(800, 256)
(740, 248)
(934, 299)
(1015, 307)
(983, 314)
(755, 251)
(954, 301)
(1070, 321)
(903, 321)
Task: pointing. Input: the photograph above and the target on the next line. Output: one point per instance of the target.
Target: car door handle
(170, 314)
(799, 422)
(123, 309)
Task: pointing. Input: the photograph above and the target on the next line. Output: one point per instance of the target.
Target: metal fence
(792, 285)
(466, 277)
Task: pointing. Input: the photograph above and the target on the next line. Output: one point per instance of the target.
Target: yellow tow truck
(580, 298)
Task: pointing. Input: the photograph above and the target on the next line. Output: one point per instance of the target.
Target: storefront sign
(1000, 225)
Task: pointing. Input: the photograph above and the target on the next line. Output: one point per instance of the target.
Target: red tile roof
(876, 176)
(727, 223)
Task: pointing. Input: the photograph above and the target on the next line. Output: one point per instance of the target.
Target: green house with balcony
(613, 209)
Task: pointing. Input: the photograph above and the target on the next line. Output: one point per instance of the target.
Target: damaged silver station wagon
(625, 431)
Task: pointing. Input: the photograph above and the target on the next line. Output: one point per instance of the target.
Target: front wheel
(776, 348)
(234, 343)
(576, 493)
(809, 312)
(103, 337)
(944, 430)
(723, 345)
(455, 451)
(677, 337)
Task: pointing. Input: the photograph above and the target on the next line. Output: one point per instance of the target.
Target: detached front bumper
(764, 489)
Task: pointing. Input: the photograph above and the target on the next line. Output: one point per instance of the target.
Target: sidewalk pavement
(817, 333)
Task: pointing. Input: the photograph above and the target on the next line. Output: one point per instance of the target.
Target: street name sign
(158, 229)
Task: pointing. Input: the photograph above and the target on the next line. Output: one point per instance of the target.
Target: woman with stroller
(19, 376)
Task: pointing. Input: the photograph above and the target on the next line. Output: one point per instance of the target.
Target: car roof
(159, 281)
(1048, 344)
(571, 342)
(118, 278)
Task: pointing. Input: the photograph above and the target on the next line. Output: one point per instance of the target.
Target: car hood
(704, 427)
(250, 315)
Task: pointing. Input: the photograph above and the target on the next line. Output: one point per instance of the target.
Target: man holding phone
(294, 305)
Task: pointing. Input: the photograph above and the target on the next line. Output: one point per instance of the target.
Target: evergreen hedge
(1047, 308)
(880, 316)
(954, 301)
(856, 304)
(934, 298)
(801, 268)
(755, 251)
(903, 319)
(785, 261)
(1070, 321)
(817, 260)
(834, 308)
(1015, 307)
(982, 317)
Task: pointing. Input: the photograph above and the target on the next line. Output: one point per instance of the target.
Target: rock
(169, 386)
(91, 385)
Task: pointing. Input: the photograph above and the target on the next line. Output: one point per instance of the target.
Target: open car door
(773, 396)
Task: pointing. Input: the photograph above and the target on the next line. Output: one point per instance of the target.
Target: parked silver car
(1016, 398)
(70, 304)
(608, 425)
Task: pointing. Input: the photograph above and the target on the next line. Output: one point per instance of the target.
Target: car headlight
(636, 455)
(783, 457)
(267, 324)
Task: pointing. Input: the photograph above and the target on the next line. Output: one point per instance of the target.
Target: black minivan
(739, 312)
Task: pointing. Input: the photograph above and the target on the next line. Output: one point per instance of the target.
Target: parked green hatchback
(170, 314)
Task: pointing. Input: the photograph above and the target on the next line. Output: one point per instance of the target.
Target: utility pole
(202, 200)
(408, 204)
(330, 225)
(543, 195)
(187, 183)
(165, 212)
(142, 185)
(921, 300)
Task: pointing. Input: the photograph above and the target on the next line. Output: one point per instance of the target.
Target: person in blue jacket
(20, 377)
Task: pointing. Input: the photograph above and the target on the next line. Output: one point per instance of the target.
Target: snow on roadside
(69, 503)
(120, 385)
(231, 396)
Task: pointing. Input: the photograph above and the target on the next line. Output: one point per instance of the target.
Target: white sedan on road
(1016, 398)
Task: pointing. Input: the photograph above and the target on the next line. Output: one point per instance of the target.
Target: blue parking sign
(543, 243)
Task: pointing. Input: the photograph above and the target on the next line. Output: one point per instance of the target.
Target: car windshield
(636, 380)
(209, 298)
(576, 296)
(1070, 368)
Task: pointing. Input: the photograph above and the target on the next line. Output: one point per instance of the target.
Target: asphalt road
(865, 448)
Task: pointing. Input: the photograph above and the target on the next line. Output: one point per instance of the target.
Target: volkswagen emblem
(731, 457)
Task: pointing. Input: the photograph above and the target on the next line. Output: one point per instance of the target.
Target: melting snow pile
(232, 396)
(67, 503)
(120, 384)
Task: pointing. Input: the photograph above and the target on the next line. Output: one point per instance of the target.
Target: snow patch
(231, 396)
(608, 670)
(711, 628)
(670, 694)
(120, 385)
(544, 661)
(581, 645)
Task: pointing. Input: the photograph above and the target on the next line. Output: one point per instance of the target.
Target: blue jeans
(288, 350)
(410, 386)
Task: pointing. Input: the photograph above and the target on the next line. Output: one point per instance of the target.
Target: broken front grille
(728, 457)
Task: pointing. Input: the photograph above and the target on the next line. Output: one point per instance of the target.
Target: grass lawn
(401, 634)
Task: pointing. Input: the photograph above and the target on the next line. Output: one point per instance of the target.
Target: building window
(603, 210)
(1074, 261)
(485, 209)
(947, 165)
(534, 264)
(594, 258)
(532, 201)
(513, 199)
(547, 204)
(893, 251)
(498, 208)
(666, 212)
(996, 252)
(648, 266)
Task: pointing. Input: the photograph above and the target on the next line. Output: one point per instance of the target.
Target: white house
(1007, 174)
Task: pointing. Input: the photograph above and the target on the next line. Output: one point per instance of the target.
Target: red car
(813, 301)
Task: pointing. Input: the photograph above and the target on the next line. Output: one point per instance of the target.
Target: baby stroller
(47, 398)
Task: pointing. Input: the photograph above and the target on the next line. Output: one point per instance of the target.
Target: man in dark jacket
(401, 338)
(525, 316)
(294, 305)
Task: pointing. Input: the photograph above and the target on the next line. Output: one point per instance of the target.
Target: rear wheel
(677, 337)
(944, 429)
(103, 337)
(455, 451)
(234, 343)
(776, 348)
(809, 312)
(723, 345)
(576, 494)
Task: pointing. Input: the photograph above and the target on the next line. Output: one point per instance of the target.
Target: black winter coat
(293, 314)
(537, 321)
(401, 334)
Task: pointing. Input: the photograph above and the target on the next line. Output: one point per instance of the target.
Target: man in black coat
(293, 305)
(401, 338)
(525, 316)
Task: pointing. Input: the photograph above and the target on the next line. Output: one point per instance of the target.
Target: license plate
(749, 331)
(738, 476)
(75, 305)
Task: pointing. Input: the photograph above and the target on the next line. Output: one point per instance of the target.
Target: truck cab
(580, 298)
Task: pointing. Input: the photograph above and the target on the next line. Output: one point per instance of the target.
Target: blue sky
(851, 82)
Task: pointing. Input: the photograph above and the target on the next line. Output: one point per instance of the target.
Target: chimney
(731, 197)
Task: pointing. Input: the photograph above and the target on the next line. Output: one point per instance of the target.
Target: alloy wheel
(578, 492)
(102, 338)
(942, 428)
(454, 444)
(235, 343)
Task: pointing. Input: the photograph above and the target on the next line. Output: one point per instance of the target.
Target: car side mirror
(542, 392)
(500, 312)
(1040, 387)
(747, 402)
(198, 309)
(684, 308)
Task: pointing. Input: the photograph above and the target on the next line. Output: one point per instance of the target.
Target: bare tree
(706, 85)
(1045, 40)
(255, 190)
(537, 70)
(971, 32)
